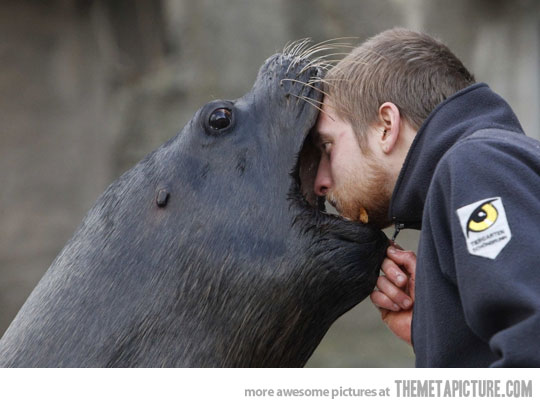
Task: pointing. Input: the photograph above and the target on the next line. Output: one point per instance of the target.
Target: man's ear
(390, 120)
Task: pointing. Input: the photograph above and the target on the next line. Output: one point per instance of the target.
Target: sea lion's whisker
(287, 46)
(333, 54)
(296, 50)
(357, 62)
(312, 99)
(328, 64)
(324, 59)
(305, 45)
(333, 43)
(336, 39)
(314, 105)
(296, 45)
(318, 63)
(314, 50)
(329, 41)
(304, 50)
(306, 84)
(301, 44)
(309, 53)
(300, 50)
(323, 65)
(318, 81)
(326, 80)
(307, 99)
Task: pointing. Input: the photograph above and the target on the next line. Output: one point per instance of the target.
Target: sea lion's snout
(290, 69)
(290, 77)
(351, 250)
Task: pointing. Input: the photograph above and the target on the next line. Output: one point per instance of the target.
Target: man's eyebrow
(319, 135)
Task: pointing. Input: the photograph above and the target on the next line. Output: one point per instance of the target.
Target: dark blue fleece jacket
(471, 183)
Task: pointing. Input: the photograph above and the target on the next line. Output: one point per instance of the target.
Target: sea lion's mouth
(303, 85)
(305, 171)
(308, 156)
(304, 174)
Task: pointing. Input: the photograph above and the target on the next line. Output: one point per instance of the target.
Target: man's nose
(323, 181)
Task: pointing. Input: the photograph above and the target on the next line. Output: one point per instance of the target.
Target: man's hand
(394, 295)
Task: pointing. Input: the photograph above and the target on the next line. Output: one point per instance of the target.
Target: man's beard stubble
(359, 193)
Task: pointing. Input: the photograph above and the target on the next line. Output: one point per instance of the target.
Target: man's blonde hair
(410, 69)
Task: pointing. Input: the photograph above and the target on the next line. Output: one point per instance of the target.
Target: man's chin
(372, 212)
(377, 218)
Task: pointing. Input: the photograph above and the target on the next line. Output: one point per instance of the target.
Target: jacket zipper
(404, 225)
(398, 227)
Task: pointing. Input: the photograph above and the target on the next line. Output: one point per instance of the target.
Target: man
(408, 138)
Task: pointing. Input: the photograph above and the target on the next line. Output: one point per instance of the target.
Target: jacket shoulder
(493, 150)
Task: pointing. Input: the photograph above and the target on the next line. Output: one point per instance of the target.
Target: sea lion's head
(274, 269)
(211, 251)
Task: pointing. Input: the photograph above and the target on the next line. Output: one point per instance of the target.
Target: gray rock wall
(89, 87)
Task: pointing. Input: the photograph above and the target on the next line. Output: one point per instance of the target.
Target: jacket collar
(473, 108)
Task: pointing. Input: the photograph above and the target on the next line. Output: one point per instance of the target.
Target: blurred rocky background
(87, 88)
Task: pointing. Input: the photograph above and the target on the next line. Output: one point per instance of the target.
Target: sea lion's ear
(308, 162)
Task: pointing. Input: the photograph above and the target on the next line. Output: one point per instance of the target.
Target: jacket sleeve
(488, 201)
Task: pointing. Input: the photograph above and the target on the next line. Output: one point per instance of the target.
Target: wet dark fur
(233, 268)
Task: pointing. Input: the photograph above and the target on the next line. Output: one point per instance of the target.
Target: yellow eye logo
(483, 217)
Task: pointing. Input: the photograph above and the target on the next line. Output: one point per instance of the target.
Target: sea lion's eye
(220, 119)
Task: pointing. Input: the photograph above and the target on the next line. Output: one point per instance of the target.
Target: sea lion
(206, 253)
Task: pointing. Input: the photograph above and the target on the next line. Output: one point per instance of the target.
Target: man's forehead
(320, 129)
(326, 121)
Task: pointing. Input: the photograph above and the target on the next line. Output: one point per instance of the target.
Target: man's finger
(382, 301)
(394, 273)
(407, 259)
(395, 294)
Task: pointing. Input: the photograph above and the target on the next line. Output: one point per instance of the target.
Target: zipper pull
(399, 227)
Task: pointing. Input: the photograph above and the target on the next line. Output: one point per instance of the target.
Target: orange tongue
(363, 215)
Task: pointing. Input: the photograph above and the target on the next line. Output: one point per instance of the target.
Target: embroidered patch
(485, 227)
